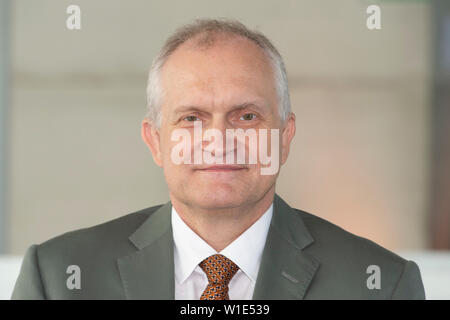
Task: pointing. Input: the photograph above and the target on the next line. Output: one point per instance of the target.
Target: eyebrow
(251, 104)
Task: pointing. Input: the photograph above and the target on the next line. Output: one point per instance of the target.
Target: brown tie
(219, 270)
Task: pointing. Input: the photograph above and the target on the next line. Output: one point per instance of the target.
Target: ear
(151, 137)
(287, 136)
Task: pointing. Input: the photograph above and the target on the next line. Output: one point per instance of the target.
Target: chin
(218, 198)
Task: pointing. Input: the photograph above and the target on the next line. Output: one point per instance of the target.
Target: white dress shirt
(245, 252)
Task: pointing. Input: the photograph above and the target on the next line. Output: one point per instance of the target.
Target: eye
(248, 116)
(191, 118)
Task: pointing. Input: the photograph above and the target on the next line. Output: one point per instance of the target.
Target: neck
(220, 227)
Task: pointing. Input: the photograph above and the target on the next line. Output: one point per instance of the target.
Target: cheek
(178, 177)
(166, 146)
(173, 169)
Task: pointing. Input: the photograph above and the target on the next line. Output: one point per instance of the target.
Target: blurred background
(371, 153)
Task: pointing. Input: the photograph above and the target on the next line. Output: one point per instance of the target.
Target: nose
(215, 138)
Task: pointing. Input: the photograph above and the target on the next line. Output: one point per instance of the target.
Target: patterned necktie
(219, 270)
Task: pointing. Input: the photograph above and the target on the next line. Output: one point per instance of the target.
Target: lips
(222, 168)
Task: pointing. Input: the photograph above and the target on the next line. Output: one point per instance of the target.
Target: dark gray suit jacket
(305, 257)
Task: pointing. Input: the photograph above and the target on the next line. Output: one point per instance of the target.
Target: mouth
(222, 168)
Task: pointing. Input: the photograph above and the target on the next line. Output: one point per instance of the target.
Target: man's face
(227, 86)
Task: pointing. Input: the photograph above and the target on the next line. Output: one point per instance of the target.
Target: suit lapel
(286, 271)
(149, 272)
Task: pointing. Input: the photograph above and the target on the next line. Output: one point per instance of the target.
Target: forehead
(228, 70)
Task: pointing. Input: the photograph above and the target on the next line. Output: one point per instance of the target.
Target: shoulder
(109, 237)
(334, 240)
(92, 251)
(348, 263)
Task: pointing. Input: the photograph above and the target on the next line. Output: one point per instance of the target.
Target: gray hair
(210, 29)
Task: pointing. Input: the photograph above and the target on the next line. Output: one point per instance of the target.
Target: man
(225, 233)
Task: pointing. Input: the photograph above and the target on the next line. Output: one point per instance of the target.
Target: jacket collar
(148, 273)
(286, 271)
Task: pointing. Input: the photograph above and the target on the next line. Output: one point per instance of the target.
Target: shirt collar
(245, 251)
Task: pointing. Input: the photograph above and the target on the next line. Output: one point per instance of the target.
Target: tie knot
(219, 269)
